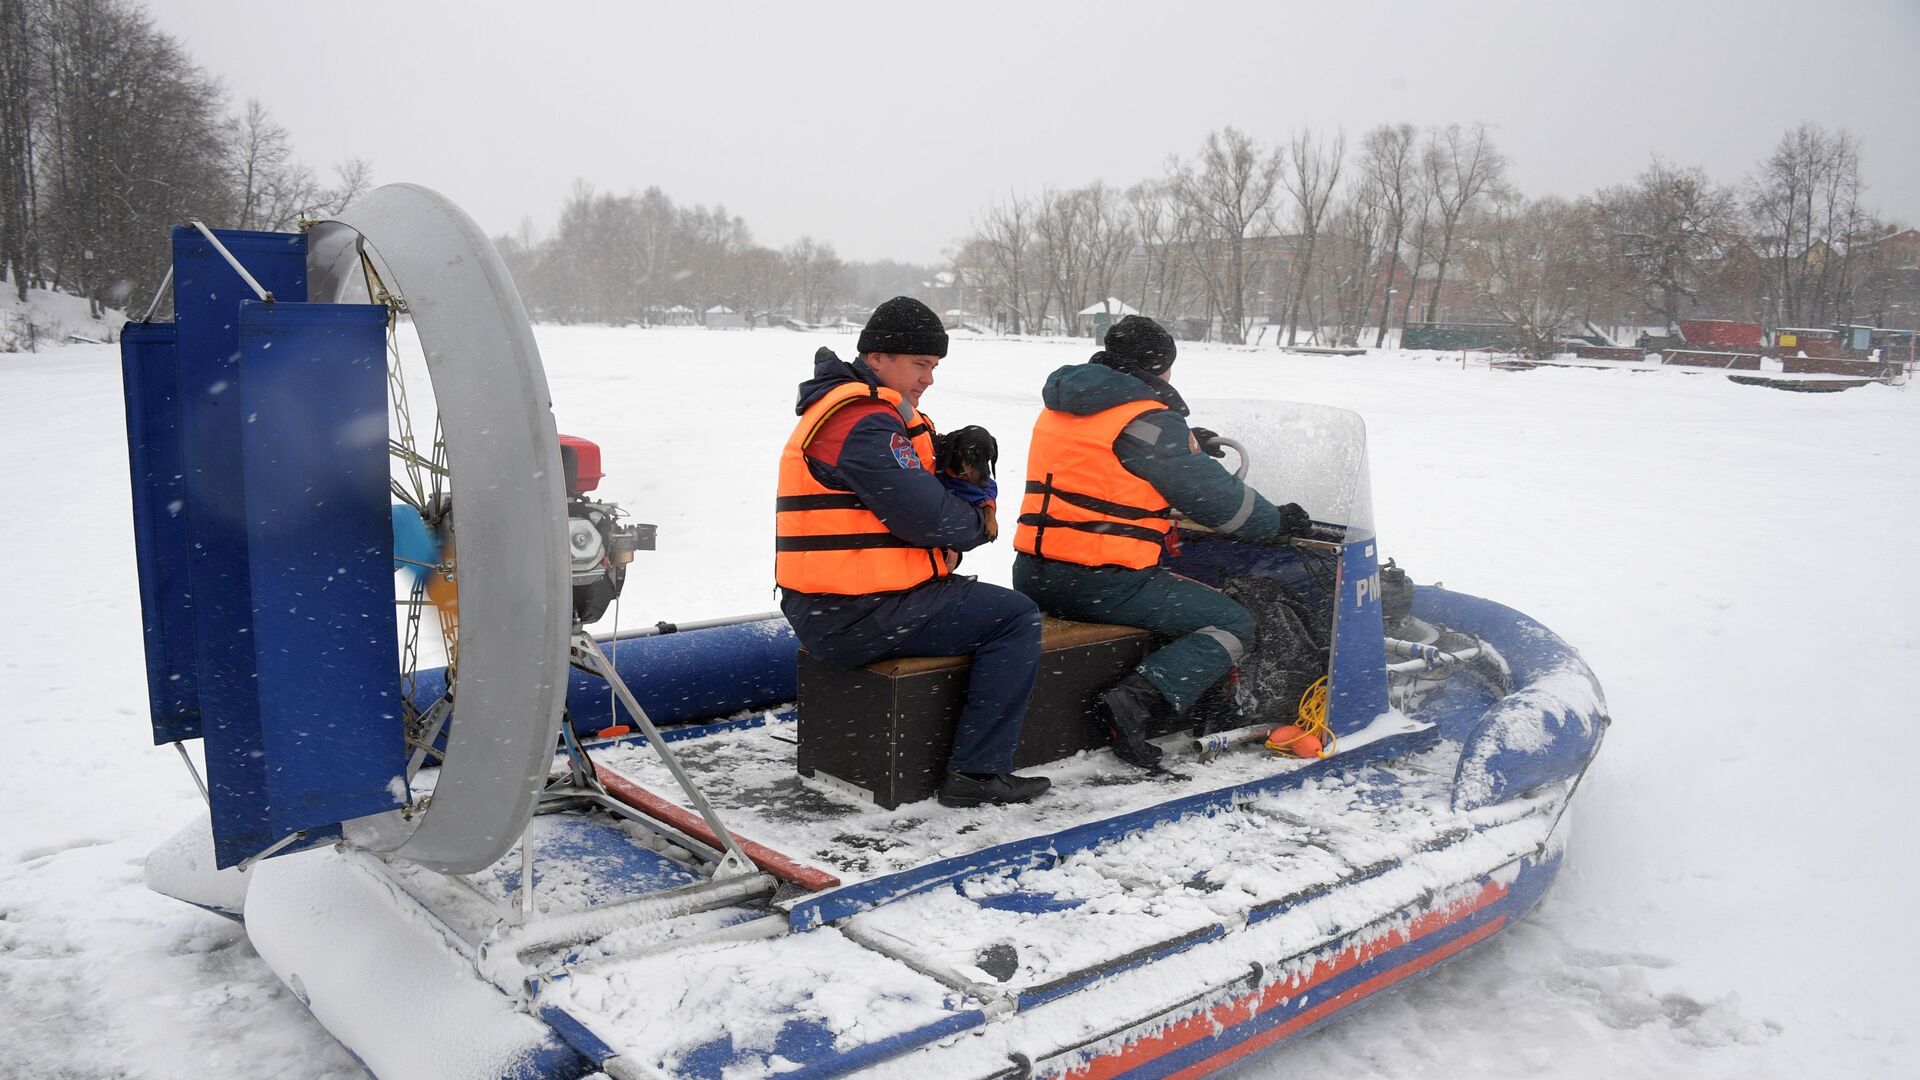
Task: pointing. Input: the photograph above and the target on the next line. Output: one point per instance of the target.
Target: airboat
(477, 840)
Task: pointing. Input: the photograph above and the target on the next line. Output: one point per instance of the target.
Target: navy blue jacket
(1195, 484)
(907, 497)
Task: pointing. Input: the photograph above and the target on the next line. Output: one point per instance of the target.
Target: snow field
(1734, 897)
(50, 319)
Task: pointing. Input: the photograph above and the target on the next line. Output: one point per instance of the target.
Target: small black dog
(970, 452)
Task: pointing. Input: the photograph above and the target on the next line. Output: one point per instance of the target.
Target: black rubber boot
(962, 789)
(1129, 707)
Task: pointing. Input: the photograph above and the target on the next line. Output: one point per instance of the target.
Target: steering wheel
(1240, 470)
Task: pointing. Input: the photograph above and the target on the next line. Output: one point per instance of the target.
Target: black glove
(1294, 522)
(970, 452)
(1207, 441)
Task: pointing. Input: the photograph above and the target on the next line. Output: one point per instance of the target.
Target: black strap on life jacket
(840, 542)
(838, 500)
(1042, 520)
(1094, 503)
(835, 500)
(1107, 528)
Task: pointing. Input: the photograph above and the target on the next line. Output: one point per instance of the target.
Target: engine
(599, 543)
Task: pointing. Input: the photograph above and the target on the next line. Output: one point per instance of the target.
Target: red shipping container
(1720, 333)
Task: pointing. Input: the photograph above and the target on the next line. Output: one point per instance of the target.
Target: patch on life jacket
(904, 454)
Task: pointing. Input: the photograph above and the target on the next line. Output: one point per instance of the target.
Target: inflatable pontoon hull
(1280, 902)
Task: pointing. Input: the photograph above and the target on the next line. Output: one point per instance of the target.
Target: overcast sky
(883, 128)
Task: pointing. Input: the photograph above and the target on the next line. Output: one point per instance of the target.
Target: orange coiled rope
(1309, 736)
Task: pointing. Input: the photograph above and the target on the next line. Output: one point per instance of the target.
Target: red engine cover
(581, 460)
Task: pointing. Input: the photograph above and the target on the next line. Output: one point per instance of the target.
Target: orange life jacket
(1081, 505)
(826, 540)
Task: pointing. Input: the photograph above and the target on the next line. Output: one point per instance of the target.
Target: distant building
(1895, 250)
(1888, 292)
(1095, 318)
(722, 317)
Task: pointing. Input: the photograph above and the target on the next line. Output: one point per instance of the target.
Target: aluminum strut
(165, 282)
(258, 289)
(193, 772)
(586, 653)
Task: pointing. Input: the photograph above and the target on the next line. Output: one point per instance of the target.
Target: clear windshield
(1314, 455)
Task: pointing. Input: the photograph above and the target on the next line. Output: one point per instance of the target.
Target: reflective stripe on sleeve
(1241, 515)
(1235, 648)
(1146, 432)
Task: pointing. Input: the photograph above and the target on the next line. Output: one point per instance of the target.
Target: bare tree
(818, 275)
(273, 190)
(566, 269)
(19, 33)
(1081, 240)
(1806, 207)
(352, 178)
(759, 282)
(713, 237)
(1229, 192)
(129, 138)
(622, 258)
(109, 134)
(655, 247)
(1056, 226)
(1345, 272)
(1535, 262)
(1106, 238)
(1005, 267)
(265, 175)
(524, 255)
(1421, 211)
(1463, 167)
(1390, 162)
(1312, 172)
(1156, 224)
(1662, 229)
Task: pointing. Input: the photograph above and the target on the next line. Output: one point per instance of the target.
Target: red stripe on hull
(773, 862)
(1340, 1001)
(1240, 1010)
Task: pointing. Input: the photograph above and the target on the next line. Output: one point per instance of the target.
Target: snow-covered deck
(749, 776)
(1069, 947)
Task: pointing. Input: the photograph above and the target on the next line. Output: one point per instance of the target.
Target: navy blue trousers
(1000, 628)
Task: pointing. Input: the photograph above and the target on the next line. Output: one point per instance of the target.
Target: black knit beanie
(905, 326)
(1137, 344)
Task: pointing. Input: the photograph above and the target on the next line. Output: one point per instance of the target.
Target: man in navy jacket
(866, 448)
